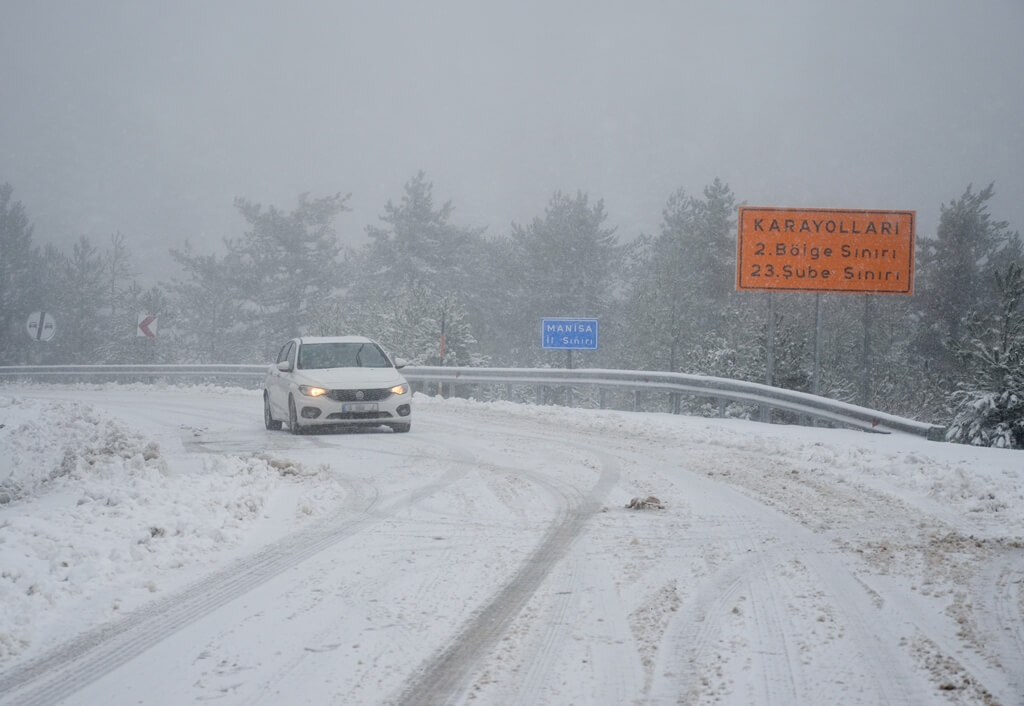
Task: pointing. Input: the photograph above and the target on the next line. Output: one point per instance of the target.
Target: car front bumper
(329, 409)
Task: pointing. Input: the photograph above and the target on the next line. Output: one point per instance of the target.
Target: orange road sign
(825, 250)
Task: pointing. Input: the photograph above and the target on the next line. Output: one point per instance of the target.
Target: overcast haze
(150, 118)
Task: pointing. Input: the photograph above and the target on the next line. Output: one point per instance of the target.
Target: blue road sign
(569, 334)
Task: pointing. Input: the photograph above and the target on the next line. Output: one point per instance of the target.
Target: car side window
(286, 352)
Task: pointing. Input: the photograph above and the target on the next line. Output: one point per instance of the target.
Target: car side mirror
(285, 366)
(401, 363)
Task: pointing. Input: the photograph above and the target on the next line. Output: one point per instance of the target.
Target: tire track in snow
(555, 620)
(746, 584)
(684, 667)
(1008, 591)
(445, 677)
(998, 635)
(463, 463)
(752, 576)
(546, 619)
(794, 506)
(780, 682)
(67, 668)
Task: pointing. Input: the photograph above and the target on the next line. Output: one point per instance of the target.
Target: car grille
(371, 395)
(358, 415)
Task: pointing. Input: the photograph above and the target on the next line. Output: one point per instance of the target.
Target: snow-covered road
(158, 546)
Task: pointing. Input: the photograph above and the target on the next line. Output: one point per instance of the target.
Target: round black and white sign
(41, 325)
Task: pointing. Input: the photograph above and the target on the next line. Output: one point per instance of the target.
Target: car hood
(351, 378)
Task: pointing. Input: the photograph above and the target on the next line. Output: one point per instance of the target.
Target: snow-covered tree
(286, 263)
(21, 288)
(955, 272)
(409, 324)
(991, 398)
(119, 271)
(418, 268)
(207, 318)
(84, 315)
(125, 345)
(681, 282)
(418, 247)
(566, 263)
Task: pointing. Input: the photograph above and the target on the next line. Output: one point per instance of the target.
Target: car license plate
(359, 407)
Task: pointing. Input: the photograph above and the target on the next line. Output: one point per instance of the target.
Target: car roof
(334, 339)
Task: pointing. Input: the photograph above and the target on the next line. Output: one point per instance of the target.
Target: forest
(951, 353)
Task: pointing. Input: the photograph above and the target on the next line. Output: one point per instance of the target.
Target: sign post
(568, 335)
(824, 250)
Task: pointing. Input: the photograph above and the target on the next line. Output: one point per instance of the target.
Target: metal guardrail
(694, 385)
(800, 403)
(131, 371)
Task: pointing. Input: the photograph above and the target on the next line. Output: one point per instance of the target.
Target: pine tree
(714, 242)
(123, 301)
(564, 264)
(955, 274)
(127, 345)
(991, 397)
(286, 264)
(206, 319)
(418, 267)
(84, 323)
(486, 296)
(21, 287)
(418, 247)
(682, 282)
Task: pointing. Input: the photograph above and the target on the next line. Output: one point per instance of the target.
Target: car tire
(293, 417)
(268, 417)
(401, 428)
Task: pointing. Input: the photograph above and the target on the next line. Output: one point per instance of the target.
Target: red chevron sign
(147, 326)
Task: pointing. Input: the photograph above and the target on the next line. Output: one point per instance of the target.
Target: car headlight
(310, 391)
(399, 389)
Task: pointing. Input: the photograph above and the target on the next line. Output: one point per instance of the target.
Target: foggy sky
(150, 118)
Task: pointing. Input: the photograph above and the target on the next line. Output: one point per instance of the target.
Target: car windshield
(342, 355)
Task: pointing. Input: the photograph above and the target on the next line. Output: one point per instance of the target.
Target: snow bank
(87, 504)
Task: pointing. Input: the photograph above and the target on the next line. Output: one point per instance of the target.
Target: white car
(320, 381)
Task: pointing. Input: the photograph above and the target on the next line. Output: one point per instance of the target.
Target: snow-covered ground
(158, 546)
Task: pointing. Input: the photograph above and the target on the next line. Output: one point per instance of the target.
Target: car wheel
(293, 418)
(401, 428)
(268, 418)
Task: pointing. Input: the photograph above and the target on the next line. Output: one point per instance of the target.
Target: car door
(278, 386)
